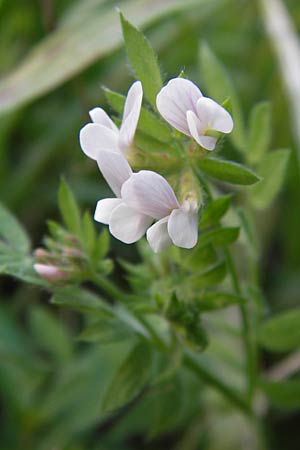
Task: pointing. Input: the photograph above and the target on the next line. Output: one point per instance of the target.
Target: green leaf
(102, 245)
(259, 132)
(219, 237)
(272, 169)
(228, 171)
(50, 335)
(21, 268)
(69, 208)
(214, 211)
(281, 333)
(12, 232)
(81, 300)
(130, 379)
(210, 277)
(106, 331)
(210, 301)
(88, 231)
(219, 86)
(285, 394)
(148, 122)
(199, 258)
(142, 59)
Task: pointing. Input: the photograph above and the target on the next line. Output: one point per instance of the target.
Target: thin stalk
(246, 331)
(209, 378)
(110, 288)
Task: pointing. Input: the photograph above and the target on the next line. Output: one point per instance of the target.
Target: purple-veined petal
(127, 224)
(214, 115)
(98, 115)
(94, 138)
(197, 129)
(158, 236)
(132, 109)
(175, 99)
(115, 169)
(104, 209)
(149, 193)
(183, 226)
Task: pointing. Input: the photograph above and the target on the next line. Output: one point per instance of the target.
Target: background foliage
(57, 391)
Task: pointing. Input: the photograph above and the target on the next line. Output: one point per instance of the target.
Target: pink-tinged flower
(182, 104)
(104, 135)
(151, 194)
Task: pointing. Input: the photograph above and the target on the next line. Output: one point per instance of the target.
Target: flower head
(152, 195)
(182, 104)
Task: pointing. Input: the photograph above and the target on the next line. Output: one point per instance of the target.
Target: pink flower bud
(50, 273)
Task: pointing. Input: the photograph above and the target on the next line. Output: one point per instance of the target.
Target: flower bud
(51, 273)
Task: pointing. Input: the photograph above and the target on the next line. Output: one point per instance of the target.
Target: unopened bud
(51, 273)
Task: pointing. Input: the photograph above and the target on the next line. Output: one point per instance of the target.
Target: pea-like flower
(152, 195)
(182, 104)
(104, 142)
(103, 134)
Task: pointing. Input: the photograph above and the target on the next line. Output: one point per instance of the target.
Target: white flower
(182, 104)
(105, 143)
(151, 194)
(103, 134)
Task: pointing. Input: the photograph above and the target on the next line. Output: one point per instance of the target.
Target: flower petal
(175, 99)
(94, 138)
(214, 115)
(149, 193)
(197, 131)
(98, 115)
(104, 209)
(114, 168)
(183, 226)
(158, 236)
(132, 109)
(127, 224)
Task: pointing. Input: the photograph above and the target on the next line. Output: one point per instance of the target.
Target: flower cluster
(145, 202)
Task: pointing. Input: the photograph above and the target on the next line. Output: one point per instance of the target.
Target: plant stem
(110, 288)
(246, 331)
(205, 375)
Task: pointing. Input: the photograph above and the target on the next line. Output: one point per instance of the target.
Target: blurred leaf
(200, 258)
(219, 87)
(210, 301)
(214, 211)
(285, 394)
(102, 245)
(272, 169)
(142, 59)
(88, 232)
(282, 332)
(49, 334)
(69, 208)
(80, 299)
(260, 131)
(221, 237)
(130, 379)
(106, 331)
(75, 46)
(12, 232)
(148, 122)
(210, 277)
(20, 267)
(228, 171)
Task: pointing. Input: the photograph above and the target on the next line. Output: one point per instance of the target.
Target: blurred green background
(54, 57)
